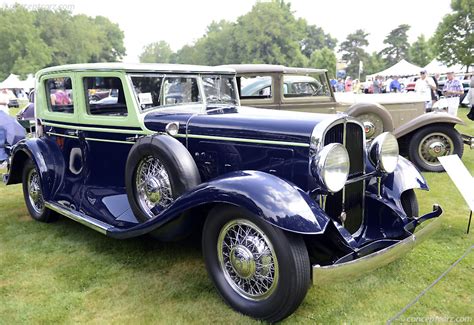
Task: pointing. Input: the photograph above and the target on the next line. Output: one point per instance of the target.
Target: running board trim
(95, 224)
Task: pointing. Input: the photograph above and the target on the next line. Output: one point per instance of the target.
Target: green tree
(158, 52)
(324, 59)
(397, 45)
(270, 33)
(454, 36)
(420, 52)
(23, 51)
(353, 51)
(373, 64)
(316, 39)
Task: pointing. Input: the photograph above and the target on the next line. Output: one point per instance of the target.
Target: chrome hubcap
(247, 259)
(369, 128)
(34, 192)
(153, 187)
(373, 125)
(435, 145)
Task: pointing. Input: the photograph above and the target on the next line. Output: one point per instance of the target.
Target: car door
(109, 128)
(58, 113)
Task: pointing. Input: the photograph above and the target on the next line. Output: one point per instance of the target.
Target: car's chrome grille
(351, 198)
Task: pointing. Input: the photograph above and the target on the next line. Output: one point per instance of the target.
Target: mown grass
(66, 273)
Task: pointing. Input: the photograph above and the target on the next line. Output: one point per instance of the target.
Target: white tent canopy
(11, 82)
(400, 69)
(439, 67)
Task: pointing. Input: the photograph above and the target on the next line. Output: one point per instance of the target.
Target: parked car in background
(423, 137)
(282, 199)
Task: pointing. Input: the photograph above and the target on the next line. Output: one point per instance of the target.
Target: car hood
(240, 122)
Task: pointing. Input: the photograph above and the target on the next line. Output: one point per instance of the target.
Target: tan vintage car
(423, 137)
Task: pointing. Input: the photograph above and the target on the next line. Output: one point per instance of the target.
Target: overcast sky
(180, 22)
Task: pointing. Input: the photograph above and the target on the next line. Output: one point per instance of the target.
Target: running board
(95, 224)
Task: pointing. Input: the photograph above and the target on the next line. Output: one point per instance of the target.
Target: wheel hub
(437, 149)
(152, 189)
(369, 128)
(243, 261)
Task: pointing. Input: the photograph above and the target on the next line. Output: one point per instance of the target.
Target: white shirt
(423, 87)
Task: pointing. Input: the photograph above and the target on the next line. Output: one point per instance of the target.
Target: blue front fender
(273, 199)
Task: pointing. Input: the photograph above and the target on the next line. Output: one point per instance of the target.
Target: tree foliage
(397, 45)
(373, 64)
(269, 33)
(454, 37)
(157, 52)
(421, 52)
(353, 51)
(324, 59)
(36, 39)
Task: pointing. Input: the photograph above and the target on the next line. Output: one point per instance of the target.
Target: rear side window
(180, 90)
(105, 96)
(59, 95)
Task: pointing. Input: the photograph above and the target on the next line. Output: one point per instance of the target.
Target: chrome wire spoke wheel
(247, 259)
(435, 145)
(35, 195)
(153, 186)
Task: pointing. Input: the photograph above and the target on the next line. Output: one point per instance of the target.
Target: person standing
(348, 85)
(470, 98)
(377, 85)
(424, 86)
(395, 86)
(452, 90)
(4, 100)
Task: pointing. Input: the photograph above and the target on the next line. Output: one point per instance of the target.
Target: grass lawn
(64, 272)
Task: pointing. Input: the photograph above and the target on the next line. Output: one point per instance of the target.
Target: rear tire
(258, 269)
(434, 141)
(33, 194)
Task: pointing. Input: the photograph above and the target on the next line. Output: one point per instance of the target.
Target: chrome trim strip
(63, 135)
(90, 222)
(110, 141)
(358, 267)
(210, 137)
(86, 128)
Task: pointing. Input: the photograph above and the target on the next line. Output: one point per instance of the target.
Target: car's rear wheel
(33, 194)
(432, 142)
(258, 269)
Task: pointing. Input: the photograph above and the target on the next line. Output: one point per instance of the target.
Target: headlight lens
(383, 152)
(331, 166)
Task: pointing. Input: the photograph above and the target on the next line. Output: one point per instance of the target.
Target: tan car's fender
(426, 119)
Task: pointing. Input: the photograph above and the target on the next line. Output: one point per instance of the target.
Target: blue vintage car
(283, 199)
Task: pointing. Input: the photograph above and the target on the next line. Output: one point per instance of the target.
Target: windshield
(220, 89)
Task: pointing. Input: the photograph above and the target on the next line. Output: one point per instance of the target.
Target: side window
(255, 87)
(147, 89)
(105, 96)
(180, 90)
(59, 95)
(305, 86)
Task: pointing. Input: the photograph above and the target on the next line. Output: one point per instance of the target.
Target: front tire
(33, 194)
(258, 269)
(432, 142)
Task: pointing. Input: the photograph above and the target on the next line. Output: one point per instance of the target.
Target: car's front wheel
(33, 194)
(434, 141)
(258, 269)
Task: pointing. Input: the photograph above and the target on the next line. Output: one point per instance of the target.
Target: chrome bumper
(468, 140)
(368, 263)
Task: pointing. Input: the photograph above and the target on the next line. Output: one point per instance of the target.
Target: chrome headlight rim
(322, 170)
(384, 152)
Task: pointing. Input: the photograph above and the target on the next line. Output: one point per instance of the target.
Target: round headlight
(331, 167)
(383, 152)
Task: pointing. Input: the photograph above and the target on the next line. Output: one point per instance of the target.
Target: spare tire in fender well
(179, 163)
(374, 108)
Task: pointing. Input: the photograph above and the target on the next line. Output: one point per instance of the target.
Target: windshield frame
(200, 83)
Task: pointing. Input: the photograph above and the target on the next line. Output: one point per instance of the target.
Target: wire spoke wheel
(153, 186)
(435, 145)
(247, 259)
(35, 195)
